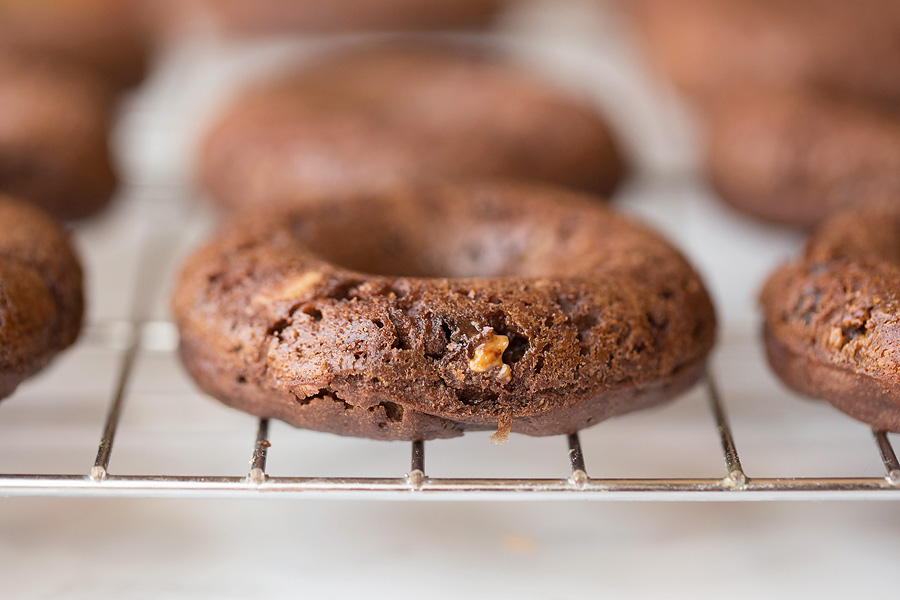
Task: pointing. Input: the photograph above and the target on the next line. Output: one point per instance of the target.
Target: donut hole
(434, 240)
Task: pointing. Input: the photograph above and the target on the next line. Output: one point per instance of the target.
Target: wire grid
(412, 482)
(416, 484)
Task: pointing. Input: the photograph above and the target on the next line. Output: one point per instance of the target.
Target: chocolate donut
(424, 313)
(833, 319)
(796, 158)
(377, 116)
(704, 46)
(108, 37)
(53, 138)
(41, 301)
(283, 16)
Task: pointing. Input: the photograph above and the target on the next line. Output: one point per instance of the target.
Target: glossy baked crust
(424, 313)
(833, 319)
(374, 116)
(54, 124)
(41, 301)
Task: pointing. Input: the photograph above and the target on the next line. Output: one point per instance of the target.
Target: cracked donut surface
(832, 326)
(41, 302)
(426, 312)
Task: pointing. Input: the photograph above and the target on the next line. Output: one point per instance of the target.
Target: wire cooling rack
(131, 253)
(415, 483)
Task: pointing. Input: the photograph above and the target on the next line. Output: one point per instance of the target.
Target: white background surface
(67, 548)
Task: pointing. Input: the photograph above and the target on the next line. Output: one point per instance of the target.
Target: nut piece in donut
(107, 37)
(833, 319)
(54, 124)
(375, 116)
(705, 46)
(286, 16)
(423, 313)
(41, 301)
(797, 158)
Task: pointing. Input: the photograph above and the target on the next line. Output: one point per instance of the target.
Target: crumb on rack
(504, 427)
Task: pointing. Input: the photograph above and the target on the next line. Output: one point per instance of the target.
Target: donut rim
(233, 353)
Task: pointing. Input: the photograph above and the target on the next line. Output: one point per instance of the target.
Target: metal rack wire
(411, 482)
(416, 484)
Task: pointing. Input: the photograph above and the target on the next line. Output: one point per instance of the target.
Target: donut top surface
(374, 116)
(870, 233)
(466, 303)
(41, 301)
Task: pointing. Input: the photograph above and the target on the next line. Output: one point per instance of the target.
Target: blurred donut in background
(110, 37)
(801, 99)
(41, 292)
(705, 46)
(54, 128)
(798, 157)
(286, 16)
(374, 116)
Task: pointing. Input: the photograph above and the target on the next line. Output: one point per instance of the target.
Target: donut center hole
(390, 240)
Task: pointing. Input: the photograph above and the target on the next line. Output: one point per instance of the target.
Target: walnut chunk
(836, 338)
(489, 355)
(292, 288)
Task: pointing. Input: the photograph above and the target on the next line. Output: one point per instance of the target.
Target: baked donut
(108, 37)
(375, 116)
(54, 125)
(285, 16)
(704, 46)
(423, 313)
(41, 301)
(797, 157)
(833, 319)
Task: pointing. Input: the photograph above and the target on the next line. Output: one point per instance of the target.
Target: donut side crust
(833, 332)
(41, 302)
